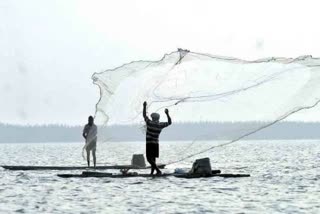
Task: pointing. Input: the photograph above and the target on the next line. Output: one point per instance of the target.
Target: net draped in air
(200, 88)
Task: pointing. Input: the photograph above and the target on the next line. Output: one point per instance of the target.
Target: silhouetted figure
(154, 128)
(90, 134)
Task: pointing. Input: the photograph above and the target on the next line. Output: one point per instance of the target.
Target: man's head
(155, 117)
(90, 120)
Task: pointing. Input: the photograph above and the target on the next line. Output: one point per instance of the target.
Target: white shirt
(91, 132)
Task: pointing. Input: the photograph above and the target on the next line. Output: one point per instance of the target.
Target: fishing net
(204, 88)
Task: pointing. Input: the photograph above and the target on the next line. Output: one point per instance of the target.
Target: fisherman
(154, 128)
(90, 134)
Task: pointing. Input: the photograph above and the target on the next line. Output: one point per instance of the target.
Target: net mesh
(199, 87)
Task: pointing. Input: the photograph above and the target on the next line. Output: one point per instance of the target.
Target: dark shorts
(152, 150)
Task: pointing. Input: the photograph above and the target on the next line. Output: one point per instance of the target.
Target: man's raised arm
(168, 116)
(144, 112)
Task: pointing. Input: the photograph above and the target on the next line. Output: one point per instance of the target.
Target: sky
(50, 49)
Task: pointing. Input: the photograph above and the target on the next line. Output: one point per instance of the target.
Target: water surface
(285, 178)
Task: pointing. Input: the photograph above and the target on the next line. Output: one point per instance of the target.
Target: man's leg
(150, 160)
(94, 157)
(156, 167)
(149, 156)
(88, 157)
(156, 150)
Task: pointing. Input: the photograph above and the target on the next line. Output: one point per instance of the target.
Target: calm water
(285, 178)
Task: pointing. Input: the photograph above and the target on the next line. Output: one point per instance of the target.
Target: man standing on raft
(90, 134)
(154, 128)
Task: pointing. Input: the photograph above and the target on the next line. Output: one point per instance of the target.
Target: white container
(138, 160)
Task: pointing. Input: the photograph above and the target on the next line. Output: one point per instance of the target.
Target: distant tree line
(178, 131)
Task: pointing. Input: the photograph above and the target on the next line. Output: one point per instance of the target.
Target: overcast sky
(50, 49)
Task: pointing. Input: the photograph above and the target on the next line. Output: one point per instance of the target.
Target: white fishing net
(199, 87)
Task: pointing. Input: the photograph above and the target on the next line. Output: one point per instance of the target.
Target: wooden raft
(89, 174)
(161, 166)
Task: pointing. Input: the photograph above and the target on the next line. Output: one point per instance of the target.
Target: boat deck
(89, 174)
(161, 166)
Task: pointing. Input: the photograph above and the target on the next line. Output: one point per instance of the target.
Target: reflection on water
(284, 178)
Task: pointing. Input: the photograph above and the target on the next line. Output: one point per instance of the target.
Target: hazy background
(195, 132)
(50, 49)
